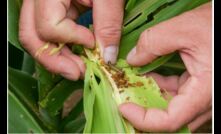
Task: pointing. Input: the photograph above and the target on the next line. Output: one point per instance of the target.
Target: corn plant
(36, 96)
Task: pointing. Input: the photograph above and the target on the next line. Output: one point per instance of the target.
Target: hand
(190, 34)
(52, 21)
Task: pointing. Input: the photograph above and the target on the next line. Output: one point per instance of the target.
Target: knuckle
(148, 42)
(143, 44)
(47, 31)
(109, 31)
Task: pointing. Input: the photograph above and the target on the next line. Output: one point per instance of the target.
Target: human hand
(52, 21)
(43, 21)
(190, 34)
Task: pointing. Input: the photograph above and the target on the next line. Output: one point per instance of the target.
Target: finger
(183, 78)
(181, 110)
(169, 83)
(199, 121)
(29, 39)
(80, 7)
(152, 44)
(59, 63)
(108, 19)
(56, 27)
(159, 40)
(72, 13)
(172, 35)
(67, 52)
(88, 3)
(27, 31)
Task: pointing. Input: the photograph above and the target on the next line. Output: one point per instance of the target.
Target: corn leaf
(100, 110)
(156, 63)
(75, 126)
(53, 102)
(142, 12)
(15, 57)
(13, 17)
(28, 64)
(142, 91)
(130, 4)
(46, 81)
(106, 87)
(76, 112)
(20, 120)
(24, 87)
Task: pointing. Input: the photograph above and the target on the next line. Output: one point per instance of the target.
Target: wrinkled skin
(190, 34)
(43, 21)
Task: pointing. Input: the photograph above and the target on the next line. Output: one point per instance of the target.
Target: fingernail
(131, 53)
(110, 54)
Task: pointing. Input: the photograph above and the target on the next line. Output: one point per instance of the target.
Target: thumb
(159, 40)
(53, 24)
(181, 110)
(108, 19)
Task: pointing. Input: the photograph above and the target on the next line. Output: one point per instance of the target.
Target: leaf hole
(132, 19)
(150, 17)
(98, 80)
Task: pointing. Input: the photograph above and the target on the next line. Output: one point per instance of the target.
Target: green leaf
(155, 64)
(174, 66)
(51, 122)
(100, 109)
(73, 115)
(77, 49)
(103, 93)
(20, 120)
(89, 99)
(25, 87)
(145, 92)
(130, 4)
(46, 80)
(28, 64)
(141, 13)
(15, 57)
(75, 126)
(54, 100)
(14, 7)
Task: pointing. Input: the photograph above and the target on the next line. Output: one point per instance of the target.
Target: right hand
(43, 21)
